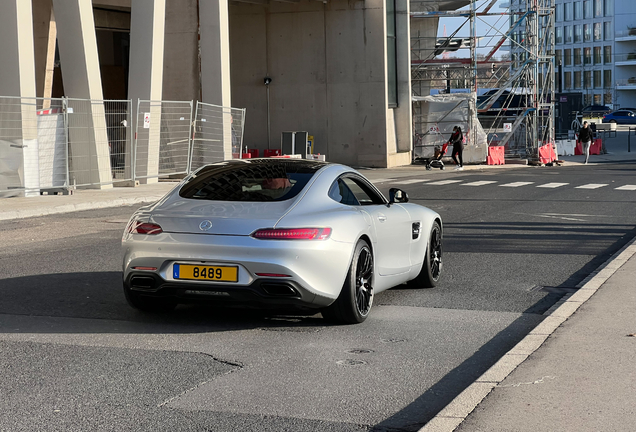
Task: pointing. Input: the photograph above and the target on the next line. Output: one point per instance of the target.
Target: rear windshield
(256, 181)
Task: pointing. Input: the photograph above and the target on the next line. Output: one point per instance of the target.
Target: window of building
(558, 57)
(597, 79)
(607, 97)
(587, 99)
(607, 30)
(598, 31)
(598, 8)
(607, 54)
(577, 79)
(568, 34)
(587, 9)
(598, 56)
(578, 10)
(597, 99)
(587, 76)
(608, 6)
(568, 11)
(568, 80)
(567, 57)
(577, 56)
(558, 12)
(391, 44)
(607, 79)
(587, 55)
(587, 32)
(578, 33)
(558, 35)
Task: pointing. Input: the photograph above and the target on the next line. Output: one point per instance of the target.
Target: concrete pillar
(215, 52)
(18, 120)
(215, 61)
(181, 51)
(145, 79)
(88, 140)
(45, 35)
(403, 112)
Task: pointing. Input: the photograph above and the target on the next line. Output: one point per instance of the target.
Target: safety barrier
(216, 129)
(54, 145)
(162, 138)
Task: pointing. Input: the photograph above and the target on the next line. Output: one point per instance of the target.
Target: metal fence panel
(218, 134)
(11, 147)
(162, 138)
(98, 141)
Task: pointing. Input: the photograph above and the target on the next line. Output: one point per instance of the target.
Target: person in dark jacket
(585, 138)
(457, 140)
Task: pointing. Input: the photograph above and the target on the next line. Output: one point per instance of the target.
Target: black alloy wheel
(432, 264)
(356, 297)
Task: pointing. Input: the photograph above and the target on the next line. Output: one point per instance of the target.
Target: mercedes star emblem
(205, 225)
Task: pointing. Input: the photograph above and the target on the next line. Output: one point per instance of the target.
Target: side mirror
(397, 196)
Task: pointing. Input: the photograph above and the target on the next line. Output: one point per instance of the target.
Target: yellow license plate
(205, 272)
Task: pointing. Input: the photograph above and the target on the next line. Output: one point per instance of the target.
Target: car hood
(215, 217)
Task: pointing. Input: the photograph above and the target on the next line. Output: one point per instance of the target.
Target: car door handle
(381, 218)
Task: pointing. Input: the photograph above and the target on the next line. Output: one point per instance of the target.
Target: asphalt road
(74, 356)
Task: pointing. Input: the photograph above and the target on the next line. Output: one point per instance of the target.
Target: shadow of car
(620, 117)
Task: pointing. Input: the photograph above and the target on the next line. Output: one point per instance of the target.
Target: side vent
(416, 230)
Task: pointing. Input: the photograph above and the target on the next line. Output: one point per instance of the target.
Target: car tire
(432, 266)
(613, 121)
(147, 303)
(356, 297)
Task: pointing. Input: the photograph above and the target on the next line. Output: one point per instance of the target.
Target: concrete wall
(327, 64)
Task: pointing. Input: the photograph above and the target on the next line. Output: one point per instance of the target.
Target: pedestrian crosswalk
(549, 185)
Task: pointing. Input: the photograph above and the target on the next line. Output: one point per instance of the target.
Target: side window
(364, 194)
(341, 193)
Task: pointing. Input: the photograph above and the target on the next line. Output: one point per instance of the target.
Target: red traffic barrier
(271, 152)
(495, 155)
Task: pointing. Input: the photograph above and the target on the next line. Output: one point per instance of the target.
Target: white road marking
(591, 186)
(382, 180)
(559, 217)
(479, 183)
(443, 182)
(411, 181)
(516, 184)
(552, 185)
(627, 187)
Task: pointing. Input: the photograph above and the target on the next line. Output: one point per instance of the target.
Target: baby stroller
(436, 160)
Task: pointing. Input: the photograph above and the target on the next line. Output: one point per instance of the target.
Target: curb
(451, 416)
(67, 208)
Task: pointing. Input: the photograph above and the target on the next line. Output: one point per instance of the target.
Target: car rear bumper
(261, 292)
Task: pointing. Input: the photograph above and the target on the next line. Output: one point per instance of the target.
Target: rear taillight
(292, 234)
(137, 227)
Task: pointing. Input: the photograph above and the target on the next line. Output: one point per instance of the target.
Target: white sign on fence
(507, 127)
(146, 120)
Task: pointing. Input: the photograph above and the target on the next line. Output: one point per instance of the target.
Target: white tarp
(439, 114)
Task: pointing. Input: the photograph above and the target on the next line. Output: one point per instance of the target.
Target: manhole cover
(350, 362)
(360, 351)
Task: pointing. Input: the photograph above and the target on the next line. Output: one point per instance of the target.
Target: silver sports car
(279, 232)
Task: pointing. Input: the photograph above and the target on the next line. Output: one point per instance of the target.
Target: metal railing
(216, 128)
(54, 145)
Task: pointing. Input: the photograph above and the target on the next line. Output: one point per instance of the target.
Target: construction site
(491, 72)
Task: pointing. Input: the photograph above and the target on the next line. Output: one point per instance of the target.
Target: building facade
(596, 51)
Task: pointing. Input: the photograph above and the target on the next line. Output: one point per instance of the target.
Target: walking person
(585, 138)
(457, 140)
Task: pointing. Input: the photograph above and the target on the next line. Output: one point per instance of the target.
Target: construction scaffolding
(509, 67)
